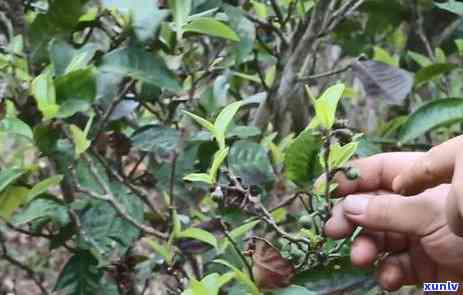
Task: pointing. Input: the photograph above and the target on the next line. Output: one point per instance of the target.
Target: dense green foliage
(173, 147)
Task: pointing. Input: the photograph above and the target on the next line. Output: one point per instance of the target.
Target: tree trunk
(286, 106)
(14, 11)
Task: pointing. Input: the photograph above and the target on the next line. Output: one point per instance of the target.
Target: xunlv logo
(440, 287)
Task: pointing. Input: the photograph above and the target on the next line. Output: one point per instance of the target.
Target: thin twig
(237, 249)
(137, 164)
(29, 233)
(113, 105)
(308, 207)
(291, 9)
(260, 73)
(278, 13)
(422, 33)
(342, 13)
(172, 203)
(269, 26)
(326, 74)
(111, 199)
(140, 193)
(267, 217)
(30, 272)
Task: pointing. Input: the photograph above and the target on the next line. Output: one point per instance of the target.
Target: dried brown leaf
(383, 80)
(271, 270)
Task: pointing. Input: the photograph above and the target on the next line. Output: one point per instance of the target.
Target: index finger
(376, 172)
(431, 169)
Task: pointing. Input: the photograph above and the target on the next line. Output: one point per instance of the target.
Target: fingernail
(355, 205)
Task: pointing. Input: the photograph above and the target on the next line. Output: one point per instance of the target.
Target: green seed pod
(352, 174)
(306, 221)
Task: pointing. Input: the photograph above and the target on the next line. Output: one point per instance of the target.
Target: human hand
(442, 164)
(414, 230)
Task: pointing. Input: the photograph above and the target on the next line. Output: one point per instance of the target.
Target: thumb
(408, 215)
(455, 199)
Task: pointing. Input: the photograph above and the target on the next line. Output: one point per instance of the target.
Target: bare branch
(278, 13)
(111, 199)
(113, 106)
(237, 249)
(327, 74)
(139, 192)
(346, 10)
(269, 26)
(283, 103)
(29, 271)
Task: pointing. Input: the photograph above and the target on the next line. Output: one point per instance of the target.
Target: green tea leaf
(340, 155)
(452, 6)
(210, 284)
(106, 232)
(80, 275)
(78, 62)
(199, 177)
(260, 8)
(301, 160)
(383, 56)
(79, 85)
(440, 112)
(16, 126)
(157, 139)
(162, 250)
(62, 54)
(238, 232)
(199, 234)
(80, 140)
(140, 65)
(420, 59)
(8, 176)
(223, 121)
(60, 19)
(326, 105)
(199, 288)
(43, 89)
(43, 186)
(219, 157)
(245, 29)
(145, 16)
(71, 107)
(212, 27)
(181, 9)
(202, 122)
(293, 290)
(42, 209)
(251, 162)
(11, 199)
(432, 72)
(459, 44)
(242, 277)
(440, 55)
(338, 277)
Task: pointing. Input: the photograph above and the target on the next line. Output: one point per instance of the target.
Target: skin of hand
(442, 164)
(413, 230)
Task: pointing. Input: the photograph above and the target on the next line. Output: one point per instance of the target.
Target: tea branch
(326, 74)
(109, 197)
(109, 111)
(328, 173)
(29, 271)
(139, 192)
(237, 249)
